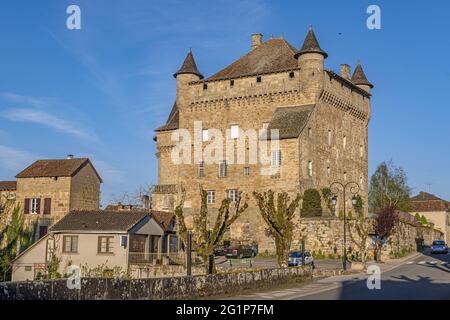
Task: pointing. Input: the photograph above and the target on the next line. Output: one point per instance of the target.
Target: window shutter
(26, 207)
(38, 206)
(47, 205)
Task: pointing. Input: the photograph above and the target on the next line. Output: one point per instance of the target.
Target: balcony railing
(165, 188)
(174, 258)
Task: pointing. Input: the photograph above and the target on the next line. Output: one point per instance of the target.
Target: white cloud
(46, 119)
(38, 102)
(14, 159)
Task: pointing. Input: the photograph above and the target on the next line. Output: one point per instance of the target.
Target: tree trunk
(210, 267)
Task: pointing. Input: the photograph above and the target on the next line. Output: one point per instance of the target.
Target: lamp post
(354, 189)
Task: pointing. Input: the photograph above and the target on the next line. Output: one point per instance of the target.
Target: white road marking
(433, 262)
(410, 262)
(422, 262)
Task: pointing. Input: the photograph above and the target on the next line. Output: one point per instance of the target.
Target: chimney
(256, 40)
(69, 156)
(345, 71)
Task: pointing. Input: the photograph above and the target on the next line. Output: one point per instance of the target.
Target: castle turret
(359, 78)
(311, 63)
(186, 74)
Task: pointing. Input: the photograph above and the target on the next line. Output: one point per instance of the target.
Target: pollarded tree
(278, 215)
(205, 240)
(361, 226)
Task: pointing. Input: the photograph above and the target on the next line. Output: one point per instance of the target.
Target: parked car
(439, 246)
(219, 251)
(240, 251)
(295, 259)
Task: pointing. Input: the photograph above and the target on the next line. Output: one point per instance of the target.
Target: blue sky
(102, 90)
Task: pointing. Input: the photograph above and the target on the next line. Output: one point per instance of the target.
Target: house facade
(322, 119)
(48, 189)
(435, 210)
(7, 192)
(100, 242)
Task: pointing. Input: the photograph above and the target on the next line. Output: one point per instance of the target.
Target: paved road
(223, 263)
(423, 277)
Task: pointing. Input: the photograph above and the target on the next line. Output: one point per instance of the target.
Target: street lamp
(354, 189)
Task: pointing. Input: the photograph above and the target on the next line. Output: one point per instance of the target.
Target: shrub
(311, 206)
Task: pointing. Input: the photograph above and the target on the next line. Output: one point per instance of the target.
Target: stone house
(322, 118)
(435, 210)
(7, 191)
(48, 189)
(123, 241)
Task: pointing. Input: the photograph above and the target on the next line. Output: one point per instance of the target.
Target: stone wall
(322, 235)
(153, 289)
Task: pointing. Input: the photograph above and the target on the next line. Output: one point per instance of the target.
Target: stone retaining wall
(153, 289)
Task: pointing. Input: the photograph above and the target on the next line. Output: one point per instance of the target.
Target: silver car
(439, 246)
(296, 259)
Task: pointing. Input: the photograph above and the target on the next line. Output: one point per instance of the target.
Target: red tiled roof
(56, 168)
(426, 202)
(8, 185)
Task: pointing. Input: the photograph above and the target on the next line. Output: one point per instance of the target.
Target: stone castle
(322, 118)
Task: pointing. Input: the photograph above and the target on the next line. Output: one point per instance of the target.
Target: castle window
(205, 86)
(291, 75)
(231, 83)
(330, 137)
(328, 171)
(310, 132)
(205, 136)
(247, 171)
(345, 176)
(310, 168)
(361, 150)
(233, 195)
(276, 158)
(201, 169)
(211, 196)
(344, 142)
(234, 131)
(223, 168)
(361, 180)
(258, 79)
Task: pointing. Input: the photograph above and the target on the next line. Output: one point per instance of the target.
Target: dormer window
(205, 86)
(231, 83)
(291, 75)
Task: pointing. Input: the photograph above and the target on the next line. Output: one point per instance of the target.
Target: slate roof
(189, 66)
(163, 218)
(290, 121)
(311, 45)
(99, 221)
(8, 185)
(274, 55)
(359, 77)
(56, 168)
(172, 122)
(426, 202)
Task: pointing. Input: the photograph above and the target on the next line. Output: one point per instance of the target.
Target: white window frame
(276, 158)
(234, 131)
(310, 168)
(205, 135)
(201, 169)
(223, 169)
(210, 196)
(233, 195)
(33, 206)
(247, 171)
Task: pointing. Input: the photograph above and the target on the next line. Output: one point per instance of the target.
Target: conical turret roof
(311, 45)
(189, 66)
(359, 77)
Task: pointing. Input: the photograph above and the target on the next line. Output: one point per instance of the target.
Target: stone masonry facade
(330, 144)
